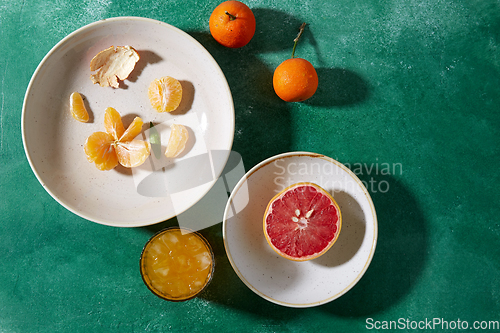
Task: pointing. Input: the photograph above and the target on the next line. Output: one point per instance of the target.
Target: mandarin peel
(113, 64)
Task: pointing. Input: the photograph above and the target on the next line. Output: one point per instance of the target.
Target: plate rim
(365, 192)
(82, 29)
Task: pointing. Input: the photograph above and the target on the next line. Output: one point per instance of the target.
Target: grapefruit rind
(314, 255)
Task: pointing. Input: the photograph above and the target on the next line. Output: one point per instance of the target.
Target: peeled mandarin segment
(113, 123)
(107, 165)
(133, 153)
(77, 107)
(113, 64)
(99, 149)
(97, 146)
(132, 130)
(177, 140)
(165, 94)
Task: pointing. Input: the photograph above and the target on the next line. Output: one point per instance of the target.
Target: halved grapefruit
(302, 222)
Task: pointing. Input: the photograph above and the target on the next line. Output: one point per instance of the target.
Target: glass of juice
(177, 264)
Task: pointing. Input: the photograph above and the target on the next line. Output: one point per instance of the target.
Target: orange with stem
(295, 79)
(232, 24)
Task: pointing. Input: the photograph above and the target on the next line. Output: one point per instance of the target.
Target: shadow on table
(263, 121)
(339, 87)
(400, 254)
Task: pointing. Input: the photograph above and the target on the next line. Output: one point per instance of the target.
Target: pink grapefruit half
(302, 222)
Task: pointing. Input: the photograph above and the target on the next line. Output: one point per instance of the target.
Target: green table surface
(407, 83)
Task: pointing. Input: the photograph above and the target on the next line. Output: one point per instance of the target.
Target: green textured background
(406, 83)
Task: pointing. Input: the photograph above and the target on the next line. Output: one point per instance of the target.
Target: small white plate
(290, 283)
(53, 140)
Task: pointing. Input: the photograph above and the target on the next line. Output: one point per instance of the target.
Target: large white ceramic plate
(290, 283)
(54, 141)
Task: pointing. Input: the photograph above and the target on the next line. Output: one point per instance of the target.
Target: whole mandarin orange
(295, 79)
(232, 24)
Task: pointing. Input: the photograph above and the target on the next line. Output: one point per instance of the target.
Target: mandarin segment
(179, 136)
(132, 153)
(165, 94)
(132, 130)
(113, 123)
(77, 107)
(99, 149)
(109, 164)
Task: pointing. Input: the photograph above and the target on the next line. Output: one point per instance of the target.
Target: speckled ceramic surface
(54, 141)
(285, 282)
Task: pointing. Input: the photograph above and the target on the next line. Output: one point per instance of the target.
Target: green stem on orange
(301, 31)
(231, 16)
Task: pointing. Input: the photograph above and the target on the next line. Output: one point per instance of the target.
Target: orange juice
(177, 264)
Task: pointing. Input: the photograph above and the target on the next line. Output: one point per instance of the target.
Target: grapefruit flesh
(302, 222)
